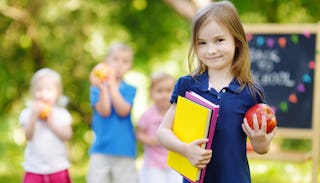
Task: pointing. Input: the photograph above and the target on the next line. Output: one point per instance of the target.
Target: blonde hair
(225, 14)
(55, 76)
(118, 46)
(156, 77)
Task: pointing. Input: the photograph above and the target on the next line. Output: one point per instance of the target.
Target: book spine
(212, 128)
(214, 116)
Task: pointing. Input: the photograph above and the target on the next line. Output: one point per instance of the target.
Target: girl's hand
(37, 107)
(112, 80)
(97, 74)
(42, 110)
(197, 155)
(259, 137)
(94, 80)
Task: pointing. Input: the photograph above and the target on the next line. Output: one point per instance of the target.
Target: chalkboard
(284, 65)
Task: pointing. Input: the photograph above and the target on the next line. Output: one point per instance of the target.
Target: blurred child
(47, 125)
(222, 75)
(155, 168)
(113, 151)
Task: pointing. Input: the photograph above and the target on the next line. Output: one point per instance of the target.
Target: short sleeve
(63, 117)
(142, 123)
(94, 95)
(24, 116)
(182, 85)
(129, 94)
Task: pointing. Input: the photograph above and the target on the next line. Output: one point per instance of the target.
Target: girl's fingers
(264, 124)
(255, 122)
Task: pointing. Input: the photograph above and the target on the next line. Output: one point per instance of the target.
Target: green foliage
(296, 145)
(150, 27)
(275, 11)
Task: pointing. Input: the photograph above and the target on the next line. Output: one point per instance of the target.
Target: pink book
(215, 110)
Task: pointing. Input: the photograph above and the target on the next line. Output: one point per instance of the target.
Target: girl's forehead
(119, 51)
(45, 82)
(212, 29)
(165, 82)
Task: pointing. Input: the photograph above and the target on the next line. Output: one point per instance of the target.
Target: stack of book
(195, 118)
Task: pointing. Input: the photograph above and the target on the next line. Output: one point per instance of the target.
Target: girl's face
(161, 93)
(120, 60)
(46, 90)
(215, 46)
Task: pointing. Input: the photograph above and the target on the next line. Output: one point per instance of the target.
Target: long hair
(225, 14)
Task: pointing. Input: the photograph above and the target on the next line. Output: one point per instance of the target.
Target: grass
(262, 171)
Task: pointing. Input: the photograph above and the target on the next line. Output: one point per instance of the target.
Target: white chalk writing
(281, 78)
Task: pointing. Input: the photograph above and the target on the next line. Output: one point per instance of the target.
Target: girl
(222, 76)
(155, 168)
(47, 125)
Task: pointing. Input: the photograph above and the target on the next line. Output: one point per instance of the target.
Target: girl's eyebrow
(214, 37)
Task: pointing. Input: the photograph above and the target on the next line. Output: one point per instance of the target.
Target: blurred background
(71, 36)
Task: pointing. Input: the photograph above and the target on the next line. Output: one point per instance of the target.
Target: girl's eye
(201, 43)
(220, 40)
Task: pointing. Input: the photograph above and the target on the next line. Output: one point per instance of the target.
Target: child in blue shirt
(113, 151)
(222, 75)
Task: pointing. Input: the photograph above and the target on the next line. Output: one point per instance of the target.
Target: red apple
(261, 109)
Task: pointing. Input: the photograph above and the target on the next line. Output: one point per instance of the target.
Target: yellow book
(191, 122)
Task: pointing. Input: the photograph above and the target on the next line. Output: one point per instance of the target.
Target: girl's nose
(45, 95)
(212, 49)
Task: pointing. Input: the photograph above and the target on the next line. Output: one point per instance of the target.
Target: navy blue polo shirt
(229, 162)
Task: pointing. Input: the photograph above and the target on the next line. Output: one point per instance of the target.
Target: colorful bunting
(301, 88)
(249, 37)
(311, 65)
(260, 41)
(306, 78)
(307, 34)
(284, 106)
(295, 39)
(270, 42)
(293, 98)
(282, 42)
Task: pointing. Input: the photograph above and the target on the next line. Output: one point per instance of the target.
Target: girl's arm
(193, 151)
(63, 132)
(29, 127)
(259, 138)
(145, 138)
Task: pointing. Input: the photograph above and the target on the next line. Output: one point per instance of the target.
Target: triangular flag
(293, 98)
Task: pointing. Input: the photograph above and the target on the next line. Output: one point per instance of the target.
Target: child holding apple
(155, 168)
(222, 75)
(113, 151)
(47, 125)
